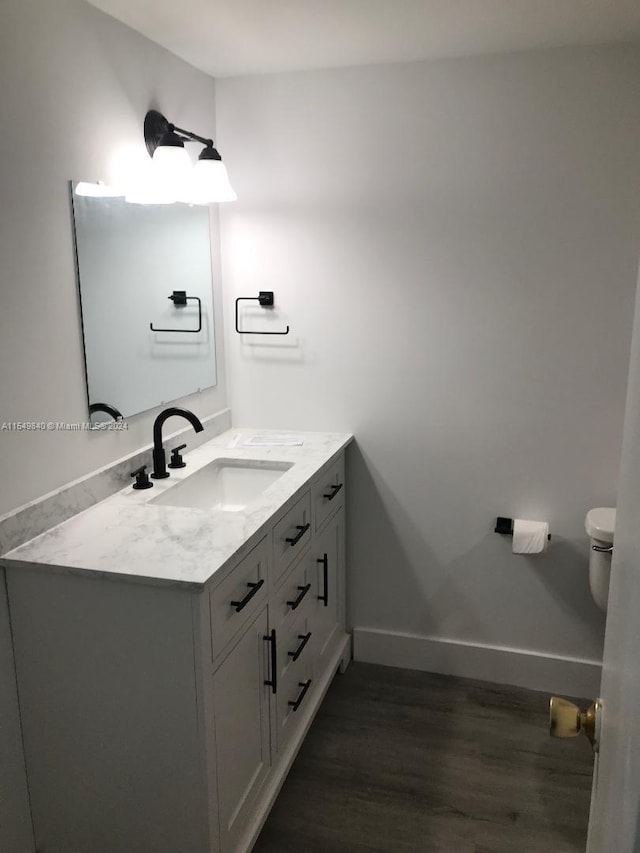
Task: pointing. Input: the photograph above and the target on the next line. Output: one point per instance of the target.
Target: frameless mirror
(146, 296)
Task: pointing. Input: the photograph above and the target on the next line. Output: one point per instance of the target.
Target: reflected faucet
(107, 408)
(159, 458)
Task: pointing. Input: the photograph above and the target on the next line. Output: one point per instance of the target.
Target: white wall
(454, 244)
(76, 87)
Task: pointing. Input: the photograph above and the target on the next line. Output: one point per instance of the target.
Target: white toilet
(600, 524)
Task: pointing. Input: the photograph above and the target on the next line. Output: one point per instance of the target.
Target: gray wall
(77, 85)
(455, 246)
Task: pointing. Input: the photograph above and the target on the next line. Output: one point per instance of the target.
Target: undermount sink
(224, 484)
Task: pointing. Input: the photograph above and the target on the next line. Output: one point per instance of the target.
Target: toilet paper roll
(530, 537)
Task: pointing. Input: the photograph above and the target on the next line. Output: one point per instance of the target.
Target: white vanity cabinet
(278, 670)
(163, 718)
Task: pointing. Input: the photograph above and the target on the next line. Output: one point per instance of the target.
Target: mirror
(142, 266)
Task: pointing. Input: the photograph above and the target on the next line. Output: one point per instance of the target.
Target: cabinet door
(241, 715)
(328, 554)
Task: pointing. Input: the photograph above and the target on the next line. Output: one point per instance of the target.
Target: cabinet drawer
(295, 643)
(296, 680)
(296, 595)
(291, 535)
(239, 596)
(328, 492)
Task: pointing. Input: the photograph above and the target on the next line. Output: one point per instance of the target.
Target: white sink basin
(226, 484)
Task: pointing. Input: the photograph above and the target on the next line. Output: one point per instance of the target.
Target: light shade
(209, 183)
(171, 170)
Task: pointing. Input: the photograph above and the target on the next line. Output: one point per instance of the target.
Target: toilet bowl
(600, 524)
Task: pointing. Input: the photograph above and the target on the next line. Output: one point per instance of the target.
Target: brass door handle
(567, 720)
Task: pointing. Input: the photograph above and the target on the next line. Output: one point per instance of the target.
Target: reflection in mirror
(144, 274)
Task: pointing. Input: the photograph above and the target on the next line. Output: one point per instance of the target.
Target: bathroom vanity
(173, 645)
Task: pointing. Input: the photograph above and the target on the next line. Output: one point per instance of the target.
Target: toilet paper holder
(505, 526)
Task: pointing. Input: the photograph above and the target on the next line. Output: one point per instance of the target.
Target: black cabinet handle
(303, 591)
(324, 598)
(305, 639)
(302, 529)
(305, 686)
(273, 684)
(253, 589)
(334, 491)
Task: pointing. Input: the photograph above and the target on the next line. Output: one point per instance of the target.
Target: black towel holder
(179, 299)
(265, 298)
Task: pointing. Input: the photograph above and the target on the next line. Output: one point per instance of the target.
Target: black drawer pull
(334, 491)
(305, 686)
(273, 684)
(253, 589)
(303, 591)
(302, 529)
(305, 639)
(324, 598)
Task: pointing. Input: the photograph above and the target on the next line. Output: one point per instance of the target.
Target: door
(614, 825)
(328, 559)
(241, 714)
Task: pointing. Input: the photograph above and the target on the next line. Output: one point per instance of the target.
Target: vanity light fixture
(205, 183)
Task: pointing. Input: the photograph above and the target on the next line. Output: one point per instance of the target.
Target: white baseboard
(551, 674)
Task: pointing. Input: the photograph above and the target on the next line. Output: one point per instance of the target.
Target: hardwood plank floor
(399, 761)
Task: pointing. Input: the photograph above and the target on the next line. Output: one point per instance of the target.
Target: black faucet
(107, 408)
(159, 459)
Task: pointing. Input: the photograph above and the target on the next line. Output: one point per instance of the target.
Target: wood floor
(399, 761)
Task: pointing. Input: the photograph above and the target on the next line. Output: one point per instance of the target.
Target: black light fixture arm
(156, 127)
(193, 137)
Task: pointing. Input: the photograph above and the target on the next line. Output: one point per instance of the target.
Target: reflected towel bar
(179, 299)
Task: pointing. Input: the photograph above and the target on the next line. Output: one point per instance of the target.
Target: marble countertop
(128, 537)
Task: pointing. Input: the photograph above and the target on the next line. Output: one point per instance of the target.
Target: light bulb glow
(169, 176)
(97, 190)
(143, 188)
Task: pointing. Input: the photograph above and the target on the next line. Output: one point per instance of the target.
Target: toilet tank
(600, 525)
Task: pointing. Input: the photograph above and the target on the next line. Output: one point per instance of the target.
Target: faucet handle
(142, 478)
(176, 458)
